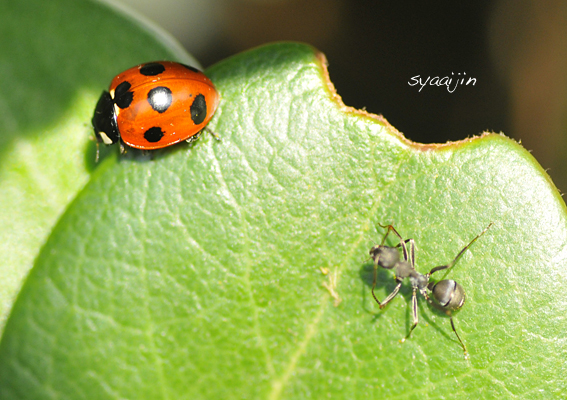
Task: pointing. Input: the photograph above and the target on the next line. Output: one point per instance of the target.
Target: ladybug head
(104, 120)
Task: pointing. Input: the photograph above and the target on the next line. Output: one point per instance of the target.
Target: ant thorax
(418, 280)
(405, 270)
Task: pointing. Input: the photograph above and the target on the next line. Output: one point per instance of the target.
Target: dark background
(516, 50)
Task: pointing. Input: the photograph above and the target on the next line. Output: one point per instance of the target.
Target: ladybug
(154, 105)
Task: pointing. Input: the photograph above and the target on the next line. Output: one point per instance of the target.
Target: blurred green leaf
(236, 269)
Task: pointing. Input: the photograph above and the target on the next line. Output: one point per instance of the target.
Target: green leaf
(55, 58)
(236, 269)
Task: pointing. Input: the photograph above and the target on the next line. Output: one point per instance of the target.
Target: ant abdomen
(448, 293)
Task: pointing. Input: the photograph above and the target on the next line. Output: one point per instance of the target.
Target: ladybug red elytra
(155, 105)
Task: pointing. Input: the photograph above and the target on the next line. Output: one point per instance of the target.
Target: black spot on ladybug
(152, 69)
(191, 68)
(199, 109)
(122, 96)
(160, 98)
(122, 89)
(154, 134)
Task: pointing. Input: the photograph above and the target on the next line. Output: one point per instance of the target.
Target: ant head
(384, 256)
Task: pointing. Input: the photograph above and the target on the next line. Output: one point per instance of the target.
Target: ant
(448, 294)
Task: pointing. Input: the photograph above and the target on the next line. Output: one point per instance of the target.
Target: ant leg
(411, 251)
(424, 293)
(458, 337)
(452, 263)
(414, 312)
(374, 282)
(402, 242)
(390, 296)
(390, 229)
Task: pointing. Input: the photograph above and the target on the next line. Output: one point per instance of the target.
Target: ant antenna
(456, 259)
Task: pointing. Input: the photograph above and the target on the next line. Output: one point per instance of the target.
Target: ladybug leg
(198, 135)
(194, 138)
(122, 148)
(97, 153)
(215, 135)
